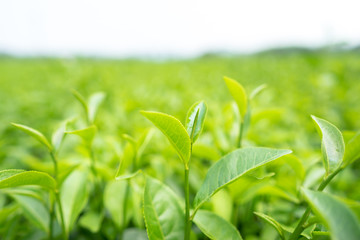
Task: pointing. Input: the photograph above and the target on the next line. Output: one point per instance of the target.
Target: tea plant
(82, 199)
(158, 198)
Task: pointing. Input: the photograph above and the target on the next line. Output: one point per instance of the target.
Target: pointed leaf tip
(174, 131)
(238, 92)
(332, 144)
(195, 120)
(35, 134)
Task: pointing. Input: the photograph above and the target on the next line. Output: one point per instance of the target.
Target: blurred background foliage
(37, 92)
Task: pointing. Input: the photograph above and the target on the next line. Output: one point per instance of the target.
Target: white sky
(172, 27)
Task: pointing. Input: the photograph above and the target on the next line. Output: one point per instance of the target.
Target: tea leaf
(81, 100)
(174, 131)
(86, 134)
(352, 150)
(135, 233)
(332, 144)
(94, 102)
(164, 216)
(34, 210)
(215, 227)
(237, 91)
(16, 177)
(35, 134)
(341, 222)
(273, 223)
(59, 135)
(231, 167)
(91, 220)
(114, 201)
(257, 90)
(195, 120)
(73, 197)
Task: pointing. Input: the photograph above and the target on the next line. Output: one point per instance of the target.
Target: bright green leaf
(273, 223)
(114, 201)
(174, 131)
(94, 102)
(59, 135)
(91, 220)
(352, 150)
(86, 134)
(73, 195)
(332, 144)
(257, 90)
(144, 141)
(35, 134)
(231, 167)
(237, 91)
(342, 223)
(222, 204)
(215, 227)
(81, 100)
(16, 177)
(135, 234)
(34, 210)
(120, 176)
(195, 120)
(164, 216)
(130, 139)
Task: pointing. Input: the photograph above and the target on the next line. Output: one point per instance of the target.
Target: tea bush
(246, 162)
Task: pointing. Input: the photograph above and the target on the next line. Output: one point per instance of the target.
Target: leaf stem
(57, 196)
(240, 136)
(300, 226)
(53, 158)
(52, 208)
(187, 206)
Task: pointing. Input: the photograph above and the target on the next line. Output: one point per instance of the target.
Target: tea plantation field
(115, 172)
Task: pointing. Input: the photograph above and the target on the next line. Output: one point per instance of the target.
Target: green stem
(187, 206)
(300, 226)
(52, 210)
(92, 160)
(235, 214)
(51, 220)
(125, 210)
(240, 136)
(57, 196)
(53, 158)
